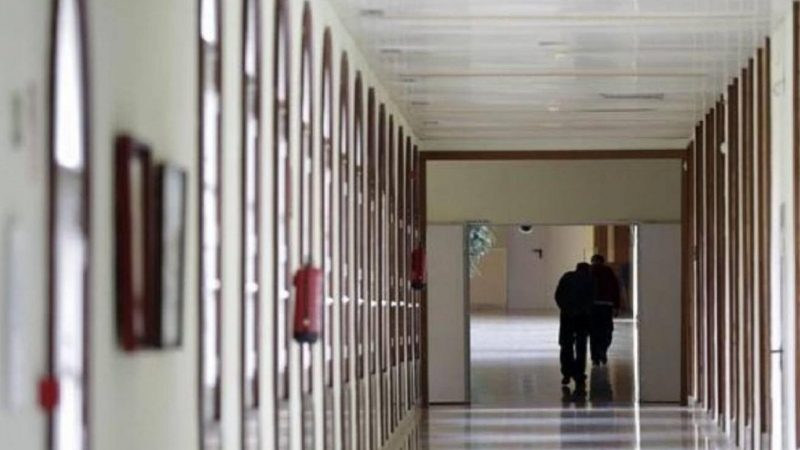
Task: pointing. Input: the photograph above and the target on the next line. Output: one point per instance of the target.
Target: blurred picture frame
(134, 249)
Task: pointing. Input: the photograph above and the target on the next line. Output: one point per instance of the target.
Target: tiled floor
(515, 363)
(518, 402)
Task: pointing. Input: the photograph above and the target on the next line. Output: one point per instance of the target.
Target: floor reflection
(443, 428)
(518, 402)
(515, 363)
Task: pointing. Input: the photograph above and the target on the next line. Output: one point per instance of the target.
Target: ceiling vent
(391, 51)
(420, 103)
(643, 96)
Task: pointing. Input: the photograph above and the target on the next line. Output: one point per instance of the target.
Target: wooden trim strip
(766, 256)
(686, 220)
(549, 155)
(796, 188)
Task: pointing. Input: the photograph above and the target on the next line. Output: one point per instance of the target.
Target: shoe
(565, 381)
(604, 360)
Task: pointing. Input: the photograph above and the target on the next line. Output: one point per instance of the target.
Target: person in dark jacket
(575, 296)
(606, 307)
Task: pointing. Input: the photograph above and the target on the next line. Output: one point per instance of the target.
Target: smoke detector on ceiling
(526, 229)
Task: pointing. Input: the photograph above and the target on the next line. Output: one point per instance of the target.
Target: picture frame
(134, 246)
(171, 189)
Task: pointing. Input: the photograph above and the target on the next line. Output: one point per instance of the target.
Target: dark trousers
(602, 331)
(572, 336)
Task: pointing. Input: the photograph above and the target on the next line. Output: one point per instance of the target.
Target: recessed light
(552, 44)
(554, 108)
(561, 56)
(375, 13)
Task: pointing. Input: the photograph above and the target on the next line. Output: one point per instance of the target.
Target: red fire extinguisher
(419, 273)
(308, 304)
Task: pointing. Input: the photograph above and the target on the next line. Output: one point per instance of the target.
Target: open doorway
(514, 320)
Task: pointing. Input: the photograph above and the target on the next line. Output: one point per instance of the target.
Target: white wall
(532, 281)
(659, 261)
(554, 192)
(24, 50)
(448, 350)
(143, 71)
(488, 289)
(782, 211)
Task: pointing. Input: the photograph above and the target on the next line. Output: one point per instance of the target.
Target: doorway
(514, 320)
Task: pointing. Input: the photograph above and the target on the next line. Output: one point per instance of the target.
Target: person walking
(575, 297)
(605, 308)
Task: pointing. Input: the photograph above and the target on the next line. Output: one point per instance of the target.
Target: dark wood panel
(720, 256)
(601, 239)
(622, 244)
(765, 176)
(796, 186)
(733, 213)
(686, 318)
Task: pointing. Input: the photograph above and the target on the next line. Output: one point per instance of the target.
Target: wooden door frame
(564, 155)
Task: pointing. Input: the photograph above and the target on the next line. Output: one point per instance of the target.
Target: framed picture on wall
(170, 213)
(134, 249)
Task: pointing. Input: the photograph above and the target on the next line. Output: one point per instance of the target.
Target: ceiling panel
(520, 69)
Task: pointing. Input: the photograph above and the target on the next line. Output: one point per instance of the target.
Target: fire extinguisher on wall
(308, 304)
(419, 273)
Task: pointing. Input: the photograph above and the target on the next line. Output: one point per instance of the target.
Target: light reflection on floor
(518, 402)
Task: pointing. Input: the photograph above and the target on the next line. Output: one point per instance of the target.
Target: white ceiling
(552, 69)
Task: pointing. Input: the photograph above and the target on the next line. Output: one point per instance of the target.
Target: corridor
(517, 403)
(252, 224)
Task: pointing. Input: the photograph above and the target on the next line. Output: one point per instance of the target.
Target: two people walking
(588, 298)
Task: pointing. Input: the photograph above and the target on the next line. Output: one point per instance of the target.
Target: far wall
(515, 277)
(554, 192)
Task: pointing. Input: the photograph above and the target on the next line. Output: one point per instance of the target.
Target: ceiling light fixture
(552, 44)
(612, 110)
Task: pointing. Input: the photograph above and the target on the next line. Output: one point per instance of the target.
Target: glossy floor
(518, 402)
